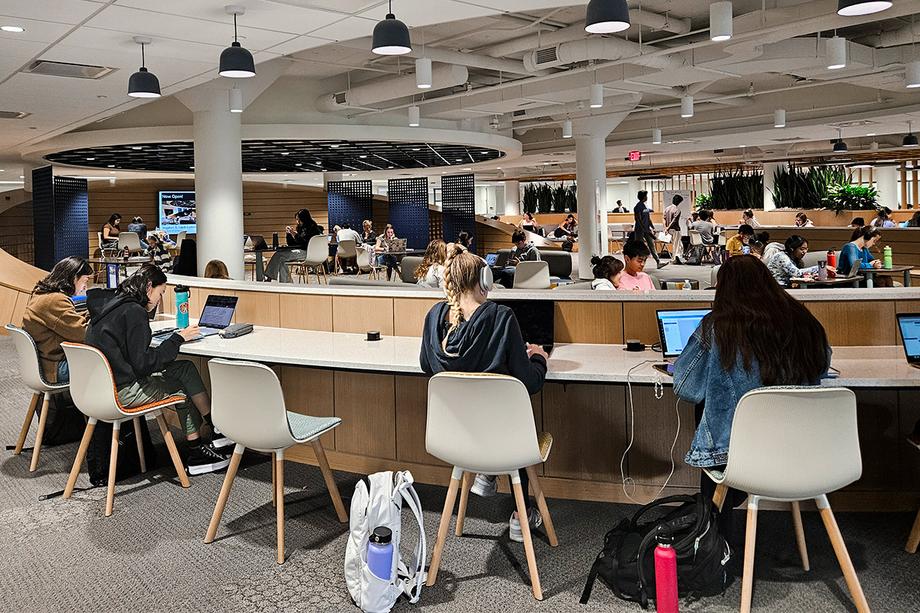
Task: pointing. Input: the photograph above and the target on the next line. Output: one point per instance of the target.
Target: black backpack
(627, 561)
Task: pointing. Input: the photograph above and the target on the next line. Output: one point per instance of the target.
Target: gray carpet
(149, 556)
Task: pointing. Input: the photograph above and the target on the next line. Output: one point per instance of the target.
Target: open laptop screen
(909, 324)
(676, 327)
(218, 312)
(536, 319)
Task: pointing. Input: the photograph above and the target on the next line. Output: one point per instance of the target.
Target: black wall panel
(458, 207)
(350, 202)
(43, 217)
(409, 210)
(60, 216)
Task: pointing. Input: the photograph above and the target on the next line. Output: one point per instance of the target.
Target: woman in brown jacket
(51, 317)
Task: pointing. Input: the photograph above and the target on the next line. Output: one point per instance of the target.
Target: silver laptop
(217, 314)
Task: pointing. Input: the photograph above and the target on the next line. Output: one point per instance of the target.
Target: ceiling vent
(790, 139)
(13, 114)
(66, 69)
(340, 97)
(546, 55)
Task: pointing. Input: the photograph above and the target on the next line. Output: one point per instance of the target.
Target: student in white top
(607, 272)
(346, 233)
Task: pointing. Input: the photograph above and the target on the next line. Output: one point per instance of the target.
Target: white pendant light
(597, 96)
(606, 16)
(912, 75)
(720, 21)
(656, 136)
(853, 8)
(686, 107)
(836, 53)
(779, 118)
(567, 128)
(414, 116)
(236, 100)
(423, 73)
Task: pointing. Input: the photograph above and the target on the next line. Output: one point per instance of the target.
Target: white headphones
(485, 277)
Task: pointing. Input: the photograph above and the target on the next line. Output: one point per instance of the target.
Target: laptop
(675, 327)
(257, 241)
(909, 324)
(536, 319)
(217, 314)
(491, 259)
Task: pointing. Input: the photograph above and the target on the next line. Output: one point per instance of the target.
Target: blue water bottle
(182, 294)
(380, 553)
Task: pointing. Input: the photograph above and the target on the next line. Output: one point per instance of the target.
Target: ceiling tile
(424, 12)
(36, 31)
(346, 29)
(61, 11)
(297, 44)
(12, 58)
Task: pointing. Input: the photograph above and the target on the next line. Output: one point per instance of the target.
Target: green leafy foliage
(737, 190)
(703, 201)
(542, 198)
(852, 198)
(529, 202)
(800, 188)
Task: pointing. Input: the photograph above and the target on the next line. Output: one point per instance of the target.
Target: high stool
(812, 448)
(483, 423)
(237, 389)
(31, 372)
(93, 391)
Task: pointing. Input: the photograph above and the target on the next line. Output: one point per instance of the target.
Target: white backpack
(382, 506)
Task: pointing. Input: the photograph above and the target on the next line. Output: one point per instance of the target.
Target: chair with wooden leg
(812, 449)
(93, 391)
(913, 541)
(483, 423)
(31, 372)
(238, 388)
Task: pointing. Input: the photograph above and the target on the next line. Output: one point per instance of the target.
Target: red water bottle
(831, 258)
(665, 575)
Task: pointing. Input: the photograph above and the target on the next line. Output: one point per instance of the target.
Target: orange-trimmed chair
(93, 391)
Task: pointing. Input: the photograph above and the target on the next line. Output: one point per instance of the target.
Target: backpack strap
(404, 492)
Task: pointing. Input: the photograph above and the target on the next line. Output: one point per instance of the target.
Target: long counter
(378, 390)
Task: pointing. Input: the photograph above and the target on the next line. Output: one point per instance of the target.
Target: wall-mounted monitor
(177, 212)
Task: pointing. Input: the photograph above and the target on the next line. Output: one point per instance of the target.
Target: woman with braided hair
(468, 333)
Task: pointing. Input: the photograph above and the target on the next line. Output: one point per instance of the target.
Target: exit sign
(635, 156)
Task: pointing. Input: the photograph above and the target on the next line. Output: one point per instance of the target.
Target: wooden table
(871, 273)
(806, 282)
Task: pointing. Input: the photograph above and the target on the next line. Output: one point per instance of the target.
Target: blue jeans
(63, 372)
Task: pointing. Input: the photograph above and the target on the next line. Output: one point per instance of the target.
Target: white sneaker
(218, 440)
(485, 485)
(514, 526)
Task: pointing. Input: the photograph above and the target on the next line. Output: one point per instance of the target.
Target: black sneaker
(218, 440)
(205, 459)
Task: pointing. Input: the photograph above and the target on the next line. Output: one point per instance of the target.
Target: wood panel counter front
(379, 391)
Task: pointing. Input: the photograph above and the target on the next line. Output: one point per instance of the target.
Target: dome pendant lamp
(391, 36)
(853, 8)
(606, 16)
(143, 84)
(910, 140)
(236, 61)
(840, 145)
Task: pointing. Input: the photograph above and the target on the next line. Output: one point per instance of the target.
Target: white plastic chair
(368, 263)
(348, 250)
(30, 370)
(812, 449)
(92, 388)
(238, 388)
(531, 275)
(483, 423)
(108, 251)
(131, 240)
(315, 260)
(180, 237)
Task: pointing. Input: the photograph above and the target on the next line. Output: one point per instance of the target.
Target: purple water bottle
(380, 553)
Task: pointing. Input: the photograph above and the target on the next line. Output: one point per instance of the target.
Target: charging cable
(628, 482)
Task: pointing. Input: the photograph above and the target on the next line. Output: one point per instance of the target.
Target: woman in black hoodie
(467, 333)
(298, 238)
(144, 374)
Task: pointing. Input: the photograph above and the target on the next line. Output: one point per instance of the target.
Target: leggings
(650, 241)
(178, 376)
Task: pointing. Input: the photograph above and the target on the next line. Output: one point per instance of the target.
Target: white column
(27, 169)
(591, 180)
(331, 176)
(512, 198)
(219, 185)
(886, 178)
(769, 171)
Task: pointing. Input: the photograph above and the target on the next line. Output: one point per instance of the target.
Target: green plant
(800, 188)
(529, 201)
(571, 198)
(703, 201)
(559, 196)
(737, 190)
(544, 198)
(853, 198)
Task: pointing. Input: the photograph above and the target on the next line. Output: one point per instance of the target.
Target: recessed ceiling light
(335, 146)
(362, 156)
(414, 149)
(137, 147)
(263, 169)
(871, 134)
(459, 160)
(285, 153)
(90, 159)
(111, 166)
(191, 168)
(14, 29)
(298, 164)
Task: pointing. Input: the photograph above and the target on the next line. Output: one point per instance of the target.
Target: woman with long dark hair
(110, 231)
(298, 237)
(787, 264)
(51, 318)
(756, 335)
(145, 374)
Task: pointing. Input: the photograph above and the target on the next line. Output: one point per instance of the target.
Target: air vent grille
(13, 114)
(66, 69)
(547, 55)
(340, 98)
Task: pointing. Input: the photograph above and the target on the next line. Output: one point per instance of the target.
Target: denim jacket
(699, 377)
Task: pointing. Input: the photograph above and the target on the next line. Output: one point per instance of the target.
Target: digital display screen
(177, 213)
(676, 328)
(217, 312)
(910, 334)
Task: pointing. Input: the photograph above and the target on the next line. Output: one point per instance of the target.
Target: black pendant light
(839, 145)
(391, 36)
(852, 8)
(236, 61)
(143, 84)
(910, 140)
(606, 16)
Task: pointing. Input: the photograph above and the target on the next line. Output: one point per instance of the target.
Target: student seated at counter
(857, 251)
(635, 254)
(568, 229)
(216, 269)
(51, 317)
(158, 252)
(110, 231)
(608, 271)
(138, 226)
(705, 228)
(529, 223)
(468, 333)
(747, 217)
(368, 236)
(736, 245)
(522, 251)
(145, 374)
(802, 221)
(298, 237)
(430, 273)
(882, 219)
(858, 222)
(386, 243)
(787, 264)
(913, 222)
(736, 349)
